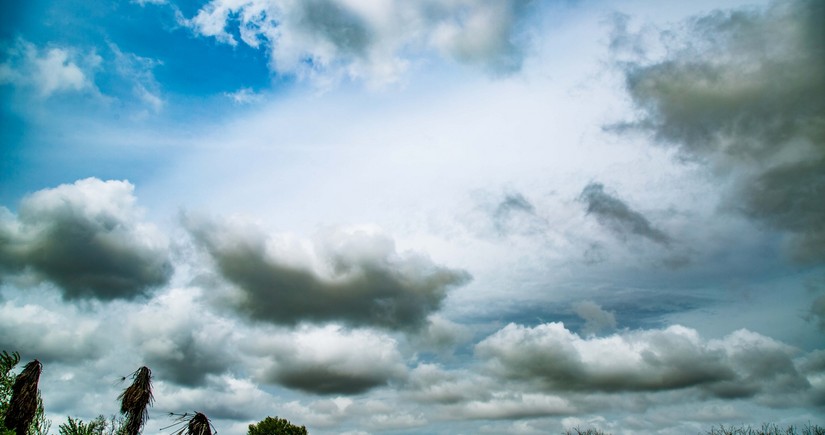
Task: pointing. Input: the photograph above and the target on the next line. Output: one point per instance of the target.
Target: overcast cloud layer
(431, 217)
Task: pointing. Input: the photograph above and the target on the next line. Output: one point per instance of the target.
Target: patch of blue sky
(185, 63)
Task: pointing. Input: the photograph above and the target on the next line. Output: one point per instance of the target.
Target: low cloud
(617, 216)
(742, 364)
(42, 333)
(221, 397)
(372, 41)
(356, 277)
(744, 92)
(88, 239)
(329, 360)
(441, 335)
(180, 340)
(595, 318)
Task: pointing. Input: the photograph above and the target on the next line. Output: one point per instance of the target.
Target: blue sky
(418, 217)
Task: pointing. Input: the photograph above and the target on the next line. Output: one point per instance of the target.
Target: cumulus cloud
(88, 239)
(617, 216)
(49, 70)
(742, 364)
(595, 318)
(441, 335)
(329, 360)
(430, 383)
(180, 340)
(744, 91)
(43, 333)
(369, 40)
(467, 394)
(356, 277)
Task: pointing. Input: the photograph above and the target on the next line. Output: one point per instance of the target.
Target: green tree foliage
(77, 427)
(39, 425)
(276, 426)
(98, 426)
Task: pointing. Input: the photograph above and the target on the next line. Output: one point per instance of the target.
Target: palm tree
(136, 399)
(198, 424)
(23, 404)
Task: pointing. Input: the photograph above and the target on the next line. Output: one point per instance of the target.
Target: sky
(418, 217)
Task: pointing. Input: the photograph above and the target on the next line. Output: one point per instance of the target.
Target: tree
(77, 427)
(276, 426)
(136, 399)
(197, 424)
(38, 424)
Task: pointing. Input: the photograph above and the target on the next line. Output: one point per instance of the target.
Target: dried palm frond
(198, 424)
(23, 404)
(135, 401)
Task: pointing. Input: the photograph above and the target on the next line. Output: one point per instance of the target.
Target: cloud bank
(742, 364)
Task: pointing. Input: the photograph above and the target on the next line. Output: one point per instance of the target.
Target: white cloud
(180, 339)
(41, 332)
(370, 40)
(244, 96)
(50, 70)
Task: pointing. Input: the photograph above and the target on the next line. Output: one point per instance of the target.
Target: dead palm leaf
(198, 424)
(136, 399)
(23, 404)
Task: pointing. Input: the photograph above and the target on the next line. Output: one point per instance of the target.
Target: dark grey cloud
(328, 360)
(180, 340)
(337, 24)
(617, 216)
(358, 278)
(87, 239)
(744, 91)
(743, 364)
(327, 380)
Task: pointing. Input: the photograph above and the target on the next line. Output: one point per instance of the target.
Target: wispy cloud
(617, 216)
